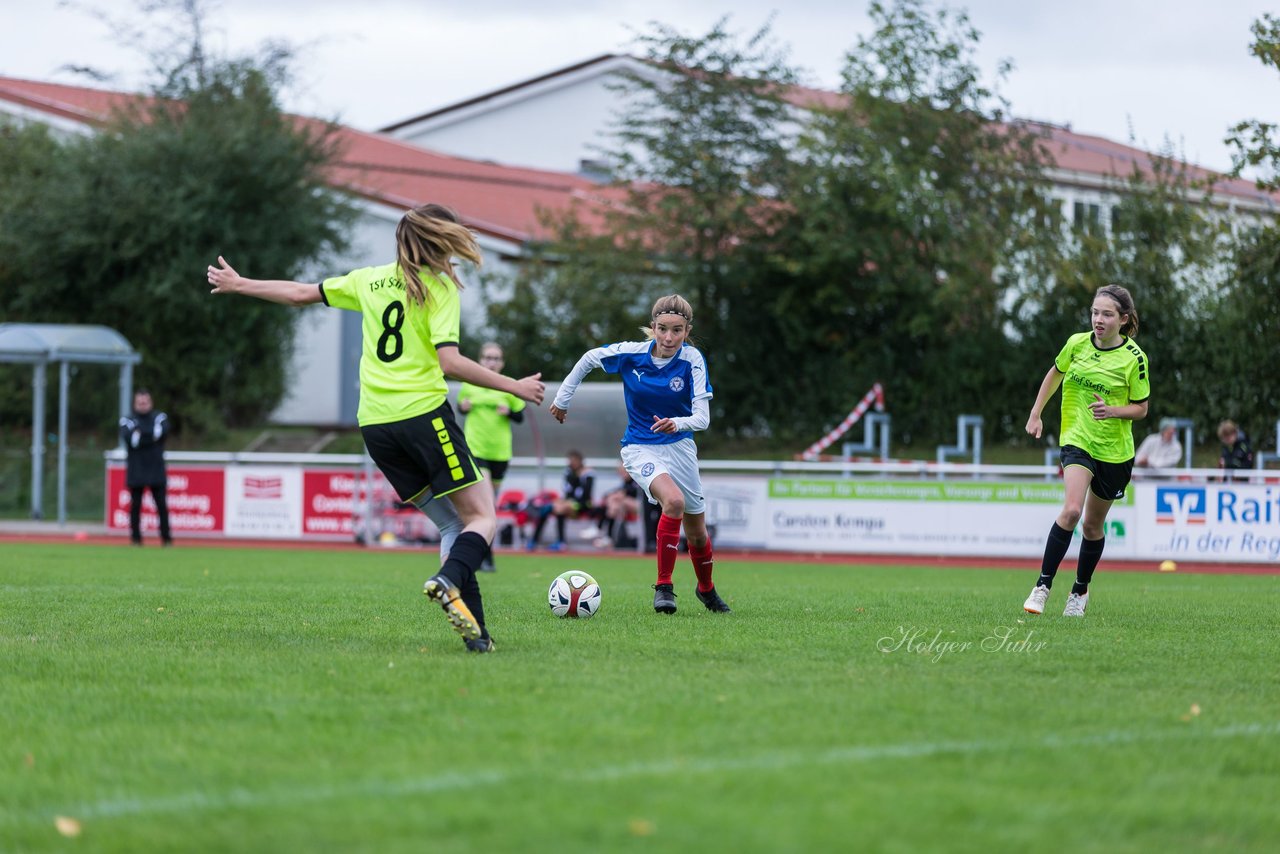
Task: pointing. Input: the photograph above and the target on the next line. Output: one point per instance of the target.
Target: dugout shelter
(43, 344)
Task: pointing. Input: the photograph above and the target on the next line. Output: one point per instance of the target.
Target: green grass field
(221, 699)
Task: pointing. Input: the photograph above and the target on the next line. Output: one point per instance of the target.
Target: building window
(1086, 217)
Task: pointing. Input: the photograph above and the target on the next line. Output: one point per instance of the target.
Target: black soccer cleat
(480, 645)
(664, 598)
(713, 601)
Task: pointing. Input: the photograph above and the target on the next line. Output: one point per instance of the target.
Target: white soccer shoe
(1076, 604)
(1035, 602)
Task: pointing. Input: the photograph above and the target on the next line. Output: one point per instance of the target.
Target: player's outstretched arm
(589, 362)
(225, 280)
(460, 367)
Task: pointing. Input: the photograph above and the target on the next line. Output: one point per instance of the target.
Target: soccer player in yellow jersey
(410, 325)
(1105, 388)
(490, 414)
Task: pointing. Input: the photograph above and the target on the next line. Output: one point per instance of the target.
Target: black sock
(464, 558)
(1054, 548)
(559, 528)
(470, 592)
(1090, 554)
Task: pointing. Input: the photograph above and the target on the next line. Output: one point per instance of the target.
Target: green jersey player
(1105, 388)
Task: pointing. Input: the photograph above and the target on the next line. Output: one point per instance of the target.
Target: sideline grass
(215, 699)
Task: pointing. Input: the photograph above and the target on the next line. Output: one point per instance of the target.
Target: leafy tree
(129, 217)
(922, 208)
(553, 310)
(699, 164)
(1167, 243)
(1246, 324)
(1243, 328)
(1254, 140)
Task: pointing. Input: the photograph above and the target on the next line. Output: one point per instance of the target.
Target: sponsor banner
(1213, 522)
(328, 502)
(737, 507)
(969, 518)
(195, 496)
(1226, 522)
(263, 501)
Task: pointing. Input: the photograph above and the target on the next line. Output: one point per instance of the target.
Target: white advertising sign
(954, 517)
(264, 501)
(738, 507)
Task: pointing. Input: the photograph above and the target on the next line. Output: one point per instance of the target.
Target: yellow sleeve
(446, 310)
(342, 291)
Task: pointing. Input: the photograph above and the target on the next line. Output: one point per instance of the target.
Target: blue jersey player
(666, 388)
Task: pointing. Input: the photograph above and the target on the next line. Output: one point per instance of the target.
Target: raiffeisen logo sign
(1217, 522)
(1181, 505)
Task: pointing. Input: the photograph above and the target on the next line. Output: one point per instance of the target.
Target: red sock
(702, 560)
(668, 542)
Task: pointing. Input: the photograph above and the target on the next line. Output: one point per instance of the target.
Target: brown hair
(431, 236)
(1125, 301)
(1227, 426)
(672, 304)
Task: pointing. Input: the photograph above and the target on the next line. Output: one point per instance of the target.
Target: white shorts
(678, 459)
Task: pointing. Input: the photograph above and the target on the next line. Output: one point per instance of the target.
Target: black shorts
(423, 453)
(1109, 479)
(497, 468)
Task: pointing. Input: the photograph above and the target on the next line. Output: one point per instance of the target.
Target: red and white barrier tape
(875, 395)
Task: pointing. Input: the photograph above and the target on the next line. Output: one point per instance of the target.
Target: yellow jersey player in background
(490, 414)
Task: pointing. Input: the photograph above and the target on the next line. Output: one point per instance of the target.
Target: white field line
(252, 799)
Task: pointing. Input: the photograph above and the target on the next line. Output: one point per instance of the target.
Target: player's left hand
(1099, 407)
(223, 277)
(662, 425)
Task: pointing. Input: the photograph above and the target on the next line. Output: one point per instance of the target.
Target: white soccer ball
(574, 594)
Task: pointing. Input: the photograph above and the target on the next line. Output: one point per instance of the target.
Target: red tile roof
(502, 201)
(1097, 155)
(505, 201)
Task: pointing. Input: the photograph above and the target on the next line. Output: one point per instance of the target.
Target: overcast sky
(1140, 69)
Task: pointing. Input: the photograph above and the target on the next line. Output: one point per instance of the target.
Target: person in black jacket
(1237, 453)
(143, 432)
(579, 483)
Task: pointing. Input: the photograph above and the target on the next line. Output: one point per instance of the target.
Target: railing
(778, 468)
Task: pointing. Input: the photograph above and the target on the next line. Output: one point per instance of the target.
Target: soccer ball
(574, 594)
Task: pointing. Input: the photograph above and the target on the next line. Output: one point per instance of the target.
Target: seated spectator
(574, 500)
(1160, 450)
(616, 506)
(1236, 451)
